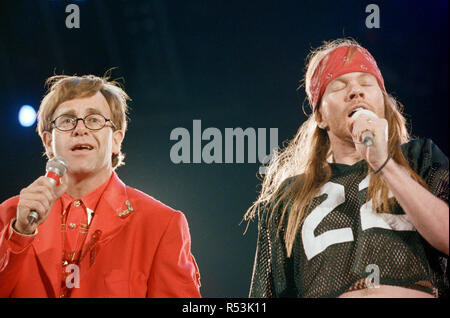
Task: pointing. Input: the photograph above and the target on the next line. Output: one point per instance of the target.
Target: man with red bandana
(352, 207)
(94, 236)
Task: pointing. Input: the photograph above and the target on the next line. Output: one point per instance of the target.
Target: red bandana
(340, 61)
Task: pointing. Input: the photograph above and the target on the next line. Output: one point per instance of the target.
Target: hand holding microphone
(370, 135)
(366, 136)
(37, 199)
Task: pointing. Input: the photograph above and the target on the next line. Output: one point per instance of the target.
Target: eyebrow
(89, 111)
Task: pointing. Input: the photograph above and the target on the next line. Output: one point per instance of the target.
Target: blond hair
(63, 88)
(308, 155)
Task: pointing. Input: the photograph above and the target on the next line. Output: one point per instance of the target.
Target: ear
(47, 141)
(318, 117)
(117, 139)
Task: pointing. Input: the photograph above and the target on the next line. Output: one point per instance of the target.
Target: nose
(80, 128)
(355, 93)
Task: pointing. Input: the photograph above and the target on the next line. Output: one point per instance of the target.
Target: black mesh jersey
(343, 241)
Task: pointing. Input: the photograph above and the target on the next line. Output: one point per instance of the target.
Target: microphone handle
(367, 138)
(33, 216)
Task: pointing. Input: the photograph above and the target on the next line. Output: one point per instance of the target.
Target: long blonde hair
(308, 155)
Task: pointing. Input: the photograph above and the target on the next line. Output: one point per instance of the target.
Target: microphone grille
(360, 111)
(57, 163)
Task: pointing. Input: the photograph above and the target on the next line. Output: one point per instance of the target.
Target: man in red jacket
(95, 236)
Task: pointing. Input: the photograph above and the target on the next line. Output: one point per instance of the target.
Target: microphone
(366, 136)
(55, 169)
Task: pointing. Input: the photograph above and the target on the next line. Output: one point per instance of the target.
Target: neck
(81, 184)
(344, 151)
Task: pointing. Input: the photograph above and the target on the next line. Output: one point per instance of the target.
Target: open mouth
(81, 147)
(355, 109)
(352, 113)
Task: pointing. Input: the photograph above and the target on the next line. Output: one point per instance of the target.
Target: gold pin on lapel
(90, 215)
(126, 212)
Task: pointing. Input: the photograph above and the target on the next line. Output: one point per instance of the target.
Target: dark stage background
(227, 63)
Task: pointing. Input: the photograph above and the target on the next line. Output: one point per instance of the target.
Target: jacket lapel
(110, 217)
(48, 249)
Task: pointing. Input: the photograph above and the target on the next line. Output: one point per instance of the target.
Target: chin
(81, 170)
(86, 168)
(81, 165)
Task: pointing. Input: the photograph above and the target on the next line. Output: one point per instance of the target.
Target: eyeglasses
(92, 122)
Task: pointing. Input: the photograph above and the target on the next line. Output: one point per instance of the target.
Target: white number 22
(314, 245)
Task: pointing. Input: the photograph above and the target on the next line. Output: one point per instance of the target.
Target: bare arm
(429, 214)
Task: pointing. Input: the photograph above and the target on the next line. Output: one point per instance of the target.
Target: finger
(358, 130)
(48, 193)
(24, 226)
(379, 130)
(373, 126)
(42, 181)
(28, 206)
(42, 212)
(357, 124)
(37, 187)
(385, 129)
(39, 196)
(360, 119)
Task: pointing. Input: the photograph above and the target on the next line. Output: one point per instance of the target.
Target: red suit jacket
(136, 247)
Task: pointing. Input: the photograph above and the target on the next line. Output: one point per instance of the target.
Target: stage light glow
(27, 116)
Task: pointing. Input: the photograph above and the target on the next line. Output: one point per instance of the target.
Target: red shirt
(76, 217)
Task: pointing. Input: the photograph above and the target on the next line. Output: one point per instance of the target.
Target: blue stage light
(27, 116)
